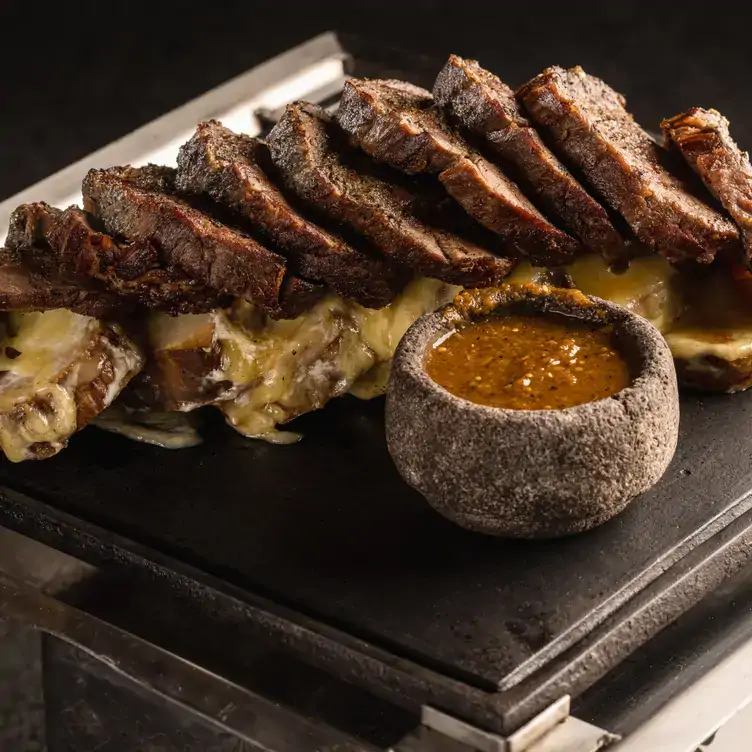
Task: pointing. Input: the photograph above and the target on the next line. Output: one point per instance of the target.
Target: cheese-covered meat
(58, 371)
(712, 340)
(262, 373)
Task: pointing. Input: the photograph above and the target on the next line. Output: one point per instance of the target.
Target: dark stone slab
(328, 527)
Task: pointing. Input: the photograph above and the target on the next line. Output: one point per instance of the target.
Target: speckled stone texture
(521, 473)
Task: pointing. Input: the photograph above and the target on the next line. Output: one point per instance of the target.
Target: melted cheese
(693, 342)
(321, 355)
(167, 430)
(717, 322)
(706, 317)
(272, 371)
(267, 372)
(57, 367)
(646, 287)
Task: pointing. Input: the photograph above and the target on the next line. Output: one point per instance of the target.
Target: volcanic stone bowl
(532, 473)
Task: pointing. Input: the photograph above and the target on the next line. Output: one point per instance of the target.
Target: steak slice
(398, 124)
(25, 289)
(236, 171)
(483, 104)
(28, 226)
(312, 163)
(594, 132)
(296, 296)
(140, 203)
(703, 138)
(130, 269)
(30, 275)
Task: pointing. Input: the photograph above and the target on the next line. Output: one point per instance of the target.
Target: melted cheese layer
(705, 315)
(646, 287)
(59, 370)
(262, 373)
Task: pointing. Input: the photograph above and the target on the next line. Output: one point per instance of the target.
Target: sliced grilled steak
(594, 132)
(140, 203)
(24, 288)
(132, 270)
(236, 171)
(396, 123)
(296, 296)
(483, 104)
(28, 225)
(704, 140)
(30, 275)
(312, 163)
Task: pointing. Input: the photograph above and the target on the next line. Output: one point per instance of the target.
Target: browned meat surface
(479, 101)
(140, 204)
(30, 276)
(23, 289)
(593, 132)
(28, 225)
(236, 171)
(131, 270)
(703, 138)
(312, 163)
(296, 296)
(398, 124)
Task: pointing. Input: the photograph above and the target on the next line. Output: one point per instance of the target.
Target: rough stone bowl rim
(425, 331)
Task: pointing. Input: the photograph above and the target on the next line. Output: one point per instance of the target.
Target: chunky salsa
(523, 362)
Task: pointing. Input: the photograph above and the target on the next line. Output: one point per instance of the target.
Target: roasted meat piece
(141, 204)
(31, 276)
(594, 132)
(129, 269)
(398, 124)
(312, 163)
(480, 102)
(236, 171)
(703, 138)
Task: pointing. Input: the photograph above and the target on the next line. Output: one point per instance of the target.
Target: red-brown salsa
(523, 362)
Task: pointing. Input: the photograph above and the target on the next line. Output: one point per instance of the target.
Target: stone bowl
(532, 473)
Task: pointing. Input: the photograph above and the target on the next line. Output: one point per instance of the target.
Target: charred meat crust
(479, 101)
(22, 289)
(398, 124)
(296, 296)
(28, 225)
(140, 204)
(593, 132)
(311, 163)
(703, 138)
(236, 171)
(131, 270)
(31, 278)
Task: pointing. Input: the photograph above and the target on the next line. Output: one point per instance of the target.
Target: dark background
(81, 74)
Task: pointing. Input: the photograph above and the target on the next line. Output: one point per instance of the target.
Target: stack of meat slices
(266, 277)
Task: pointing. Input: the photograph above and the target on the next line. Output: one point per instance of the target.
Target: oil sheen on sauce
(524, 362)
